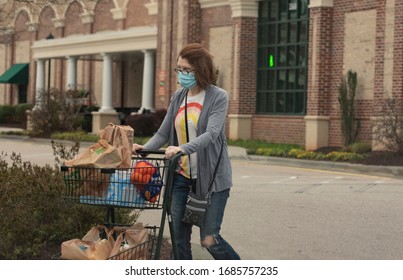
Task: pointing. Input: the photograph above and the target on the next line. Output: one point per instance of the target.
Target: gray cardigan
(207, 144)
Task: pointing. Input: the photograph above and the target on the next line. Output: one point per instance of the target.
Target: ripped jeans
(221, 250)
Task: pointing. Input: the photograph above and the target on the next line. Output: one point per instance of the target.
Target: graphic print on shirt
(195, 105)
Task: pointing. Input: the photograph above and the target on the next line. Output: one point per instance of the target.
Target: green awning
(16, 74)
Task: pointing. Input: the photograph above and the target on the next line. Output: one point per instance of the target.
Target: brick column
(191, 26)
(398, 51)
(178, 24)
(243, 91)
(319, 74)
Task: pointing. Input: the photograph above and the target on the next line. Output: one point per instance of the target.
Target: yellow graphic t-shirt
(194, 107)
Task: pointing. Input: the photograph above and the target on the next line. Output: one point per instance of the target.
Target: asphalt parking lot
(292, 212)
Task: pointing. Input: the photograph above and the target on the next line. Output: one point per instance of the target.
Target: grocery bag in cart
(87, 176)
(120, 136)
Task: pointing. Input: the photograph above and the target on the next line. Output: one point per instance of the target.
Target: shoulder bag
(196, 205)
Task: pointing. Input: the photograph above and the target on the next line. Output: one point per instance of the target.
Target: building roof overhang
(135, 39)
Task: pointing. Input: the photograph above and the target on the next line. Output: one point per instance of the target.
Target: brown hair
(202, 61)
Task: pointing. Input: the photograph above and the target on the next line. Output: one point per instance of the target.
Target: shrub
(358, 148)
(333, 156)
(6, 113)
(14, 114)
(261, 147)
(388, 124)
(21, 112)
(58, 111)
(347, 91)
(36, 218)
(146, 124)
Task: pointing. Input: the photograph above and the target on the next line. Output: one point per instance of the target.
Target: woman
(206, 112)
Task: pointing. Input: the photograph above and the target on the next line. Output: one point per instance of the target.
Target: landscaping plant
(347, 92)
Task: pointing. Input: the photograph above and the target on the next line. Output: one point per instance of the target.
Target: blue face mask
(187, 81)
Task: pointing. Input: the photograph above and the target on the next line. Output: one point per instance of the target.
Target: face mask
(187, 81)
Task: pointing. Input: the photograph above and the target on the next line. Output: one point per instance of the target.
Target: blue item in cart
(121, 192)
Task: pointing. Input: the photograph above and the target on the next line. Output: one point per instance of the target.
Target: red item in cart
(147, 179)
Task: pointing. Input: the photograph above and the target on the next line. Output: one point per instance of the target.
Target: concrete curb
(375, 170)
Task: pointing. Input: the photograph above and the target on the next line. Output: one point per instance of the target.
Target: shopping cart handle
(147, 152)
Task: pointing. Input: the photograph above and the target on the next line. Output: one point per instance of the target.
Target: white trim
(32, 27)
(320, 3)
(244, 8)
(204, 4)
(316, 118)
(152, 8)
(87, 18)
(119, 13)
(58, 22)
(110, 42)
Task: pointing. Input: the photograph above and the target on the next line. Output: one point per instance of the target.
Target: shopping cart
(146, 185)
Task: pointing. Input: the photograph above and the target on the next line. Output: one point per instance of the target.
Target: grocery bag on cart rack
(97, 244)
(147, 179)
(131, 243)
(120, 136)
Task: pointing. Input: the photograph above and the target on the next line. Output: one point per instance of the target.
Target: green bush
(145, 125)
(6, 113)
(350, 125)
(58, 111)
(35, 217)
(332, 156)
(358, 148)
(14, 114)
(260, 147)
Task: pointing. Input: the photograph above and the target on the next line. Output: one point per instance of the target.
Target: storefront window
(282, 56)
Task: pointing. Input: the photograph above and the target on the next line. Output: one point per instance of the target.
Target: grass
(252, 146)
(259, 147)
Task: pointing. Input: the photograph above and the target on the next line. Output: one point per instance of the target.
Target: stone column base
(29, 120)
(316, 132)
(101, 119)
(240, 127)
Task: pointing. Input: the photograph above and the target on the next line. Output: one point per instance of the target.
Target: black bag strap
(187, 138)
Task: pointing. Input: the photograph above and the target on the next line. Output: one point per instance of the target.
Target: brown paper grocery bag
(131, 243)
(99, 155)
(120, 136)
(90, 247)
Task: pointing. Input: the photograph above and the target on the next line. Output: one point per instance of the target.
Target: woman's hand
(172, 150)
(136, 148)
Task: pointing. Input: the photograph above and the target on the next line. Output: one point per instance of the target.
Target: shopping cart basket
(147, 184)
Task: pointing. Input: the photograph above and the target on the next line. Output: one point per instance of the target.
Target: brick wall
(364, 107)
(279, 129)
(137, 14)
(245, 60)
(320, 61)
(103, 18)
(398, 51)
